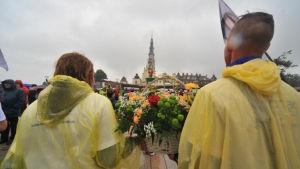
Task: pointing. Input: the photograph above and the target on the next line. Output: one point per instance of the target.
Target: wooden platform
(157, 161)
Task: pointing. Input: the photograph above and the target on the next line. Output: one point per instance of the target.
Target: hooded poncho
(69, 126)
(249, 119)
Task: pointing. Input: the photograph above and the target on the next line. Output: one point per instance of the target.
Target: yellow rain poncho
(70, 127)
(249, 119)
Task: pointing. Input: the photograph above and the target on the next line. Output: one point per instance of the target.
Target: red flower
(153, 99)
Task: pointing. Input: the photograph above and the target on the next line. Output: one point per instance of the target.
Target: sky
(115, 35)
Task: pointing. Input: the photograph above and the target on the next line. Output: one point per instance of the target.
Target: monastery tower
(150, 67)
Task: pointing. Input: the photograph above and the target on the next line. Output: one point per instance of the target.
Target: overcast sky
(115, 35)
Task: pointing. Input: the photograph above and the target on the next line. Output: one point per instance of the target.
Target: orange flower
(188, 87)
(185, 96)
(135, 120)
(130, 94)
(139, 112)
(181, 102)
(146, 103)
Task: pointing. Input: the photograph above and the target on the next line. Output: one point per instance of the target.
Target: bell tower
(149, 70)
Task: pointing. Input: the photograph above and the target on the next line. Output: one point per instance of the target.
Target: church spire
(151, 47)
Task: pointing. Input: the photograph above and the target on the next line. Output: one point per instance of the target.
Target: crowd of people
(247, 119)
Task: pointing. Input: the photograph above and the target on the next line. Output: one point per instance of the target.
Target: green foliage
(100, 75)
(293, 79)
(283, 63)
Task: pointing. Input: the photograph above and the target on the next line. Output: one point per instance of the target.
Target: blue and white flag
(3, 62)
(228, 19)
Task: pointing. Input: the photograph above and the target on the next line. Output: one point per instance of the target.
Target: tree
(293, 79)
(100, 75)
(284, 64)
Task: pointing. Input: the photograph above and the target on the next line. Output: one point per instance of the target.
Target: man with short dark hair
(13, 100)
(249, 118)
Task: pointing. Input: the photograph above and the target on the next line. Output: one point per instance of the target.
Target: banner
(3, 62)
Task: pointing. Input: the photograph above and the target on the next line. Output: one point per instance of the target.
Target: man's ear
(227, 54)
(268, 47)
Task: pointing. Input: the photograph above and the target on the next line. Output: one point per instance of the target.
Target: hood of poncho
(262, 76)
(20, 82)
(57, 100)
(11, 82)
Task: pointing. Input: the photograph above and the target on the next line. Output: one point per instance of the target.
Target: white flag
(3, 62)
(228, 19)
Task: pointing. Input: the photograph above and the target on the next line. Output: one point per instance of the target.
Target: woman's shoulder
(97, 99)
(29, 115)
(96, 96)
(30, 110)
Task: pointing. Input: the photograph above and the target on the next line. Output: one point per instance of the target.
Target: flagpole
(281, 75)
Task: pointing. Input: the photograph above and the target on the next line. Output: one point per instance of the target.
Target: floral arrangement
(155, 112)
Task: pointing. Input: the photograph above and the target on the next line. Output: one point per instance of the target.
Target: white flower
(149, 129)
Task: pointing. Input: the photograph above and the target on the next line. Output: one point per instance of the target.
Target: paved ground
(3, 150)
(157, 161)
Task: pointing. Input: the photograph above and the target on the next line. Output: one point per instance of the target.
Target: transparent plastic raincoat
(70, 126)
(249, 119)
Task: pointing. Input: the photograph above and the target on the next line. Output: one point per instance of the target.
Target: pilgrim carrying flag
(3, 62)
(228, 19)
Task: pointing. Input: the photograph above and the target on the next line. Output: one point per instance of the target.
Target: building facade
(195, 78)
(136, 80)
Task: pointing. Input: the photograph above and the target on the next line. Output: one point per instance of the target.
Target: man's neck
(244, 60)
(236, 55)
